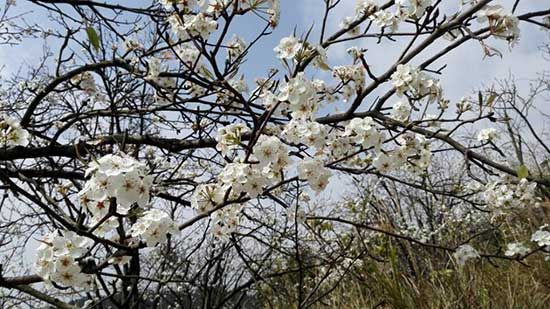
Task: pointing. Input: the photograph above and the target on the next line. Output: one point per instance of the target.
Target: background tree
(144, 167)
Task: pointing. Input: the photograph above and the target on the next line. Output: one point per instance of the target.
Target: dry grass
(414, 278)
(506, 285)
(479, 284)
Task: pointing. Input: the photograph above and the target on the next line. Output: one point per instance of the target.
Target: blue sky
(467, 69)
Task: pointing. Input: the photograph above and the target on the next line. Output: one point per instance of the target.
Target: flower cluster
(415, 150)
(155, 69)
(183, 4)
(131, 44)
(311, 133)
(404, 9)
(401, 111)
(465, 253)
(503, 25)
(243, 178)
(339, 146)
(413, 155)
(56, 259)
(271, 153)
(269, 158)
(230, 137)
(386, 19)
(541, 237)
(288, 48)
(120, 177)
(350, 74)
(504, 195)
(153, 226)
(516, 248)
(412, 8)
(11, 133)
(362, 8)
(316, 174)
(189, 55)
(191, 25)
(291, 48)
(487, 135)
(226, 221)
(411, 80)
(86, 82)
(364, 132)
(206, 197)
(348, 24)
(301, 96)
(274, 13)
(236, 47)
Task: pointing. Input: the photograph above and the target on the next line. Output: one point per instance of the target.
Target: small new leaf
(93, 37)
(522, 172)
(491, 100)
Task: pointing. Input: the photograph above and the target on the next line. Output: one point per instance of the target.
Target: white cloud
(466, 70)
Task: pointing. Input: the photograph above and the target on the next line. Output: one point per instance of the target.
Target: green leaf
(323, 66)
(522, 172)
(491, 100)
(480, 98)
(93, 37)
(204, 71)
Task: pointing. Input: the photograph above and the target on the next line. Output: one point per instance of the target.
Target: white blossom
(413, 8)
(364, 7)
(408, 78)
(70, 244)
(192, 25)
(542, 238)
(168, 4)
(386, 19)
(86, 82)
(316, 174)
(56, 259)
(401, 111)
(464, 253)
(347, 23)
(153, 226)
(243, 178)
(516, 248)
(355, 52)
(503, 25)
(310, 133)
(206, 197)
(384, 163)
(236, 46)
(502, 195)
(11, 133)
(131, 44)
(189, 55)
(487, 135)
(364, 132)
(155, 69)
(226, 221)
(351, 73)
(288, 48)
(230, 137)
(121, 177)
(120, 259)
(301, 95)
(215, 7)
(270, 150)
